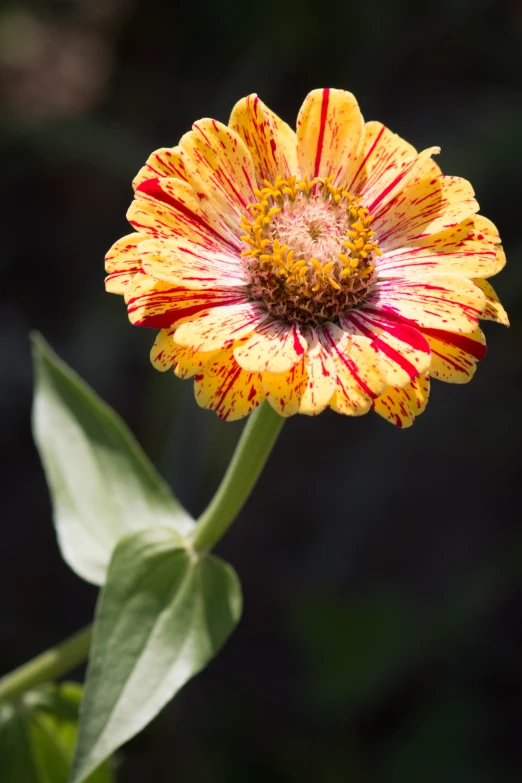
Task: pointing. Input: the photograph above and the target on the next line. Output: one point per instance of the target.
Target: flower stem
(47, 666)
(252, 451)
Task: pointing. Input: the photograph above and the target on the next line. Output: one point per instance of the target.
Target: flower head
(331, 266)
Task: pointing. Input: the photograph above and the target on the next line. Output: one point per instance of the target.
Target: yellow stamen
(305, 280)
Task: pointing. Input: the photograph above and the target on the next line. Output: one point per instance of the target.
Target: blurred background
(382, 570)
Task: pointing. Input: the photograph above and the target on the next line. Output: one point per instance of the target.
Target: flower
(331, 266)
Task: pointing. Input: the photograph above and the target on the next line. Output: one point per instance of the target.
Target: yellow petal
(403, 352)
(493, 310)
(188, 264)
(271, 142)
(486, 227)
(436, 302)
(171, 209)
(222, 386)
(401, 406)
(274, 347)
(430, 169)
(381, 157)
(320, 375)
(359, 374)
(122, 262)
(460, 250)
(386, 165)
(220, 326)
(329, 132)
(454, 357)
(165, 353)
(162, 163)
(219, 165)
(158, 304)
(285, 390)
(162, 352)
(426, 207)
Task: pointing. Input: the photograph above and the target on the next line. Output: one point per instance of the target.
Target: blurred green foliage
(38, 734)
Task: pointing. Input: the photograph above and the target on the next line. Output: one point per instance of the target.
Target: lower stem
(252, 451)
(47, 666)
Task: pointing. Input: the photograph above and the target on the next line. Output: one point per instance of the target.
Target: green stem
(252, 451)
(47, 666)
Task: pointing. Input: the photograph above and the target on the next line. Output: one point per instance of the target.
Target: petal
(219, 165)
(224, 387)
(329, 131)
(454, 357)
(165, 353)
(460, 250)
(400, 406)
(271, 142)
(320, 375)
(220, 328)
(188, 264)
(493, 310)
(387, 164)
(485, 226)
(426, 207)
(190, 363)
(430, 169)
(122, 262)
(162, 163)
(162, 352)
(285, 390)
(171, 209)
(158, 304)
(274, 347)
(437, 301)
(408, 176)
(402, 350)
(359, 375)
(382, 156)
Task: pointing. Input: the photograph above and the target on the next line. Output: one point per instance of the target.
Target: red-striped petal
(190, 265)
(274, 347)
(221, 327)
(330, 128)
(461, 250)
(154, 303)
(359, 376)
(271, 142)
(426, 207)
(227, 389)
(122, 262)
(219, 165)
(171, 209)
(454, 357)
(401, 406)
(402, 350)
(162, 163)
(436, 302)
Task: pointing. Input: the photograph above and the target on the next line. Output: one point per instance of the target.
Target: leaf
(102, 484)
(38, 734)
(163, 614)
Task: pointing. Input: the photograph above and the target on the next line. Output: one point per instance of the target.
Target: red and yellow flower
(331, 266)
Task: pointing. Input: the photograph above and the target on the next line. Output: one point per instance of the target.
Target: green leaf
(163, 614)
(38, 734)
(102, 484)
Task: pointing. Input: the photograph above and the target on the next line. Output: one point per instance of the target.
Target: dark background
(382, 569)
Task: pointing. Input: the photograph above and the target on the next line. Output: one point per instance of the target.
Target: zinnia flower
(331, 266)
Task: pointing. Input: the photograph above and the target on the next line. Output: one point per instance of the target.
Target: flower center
(309, 249)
